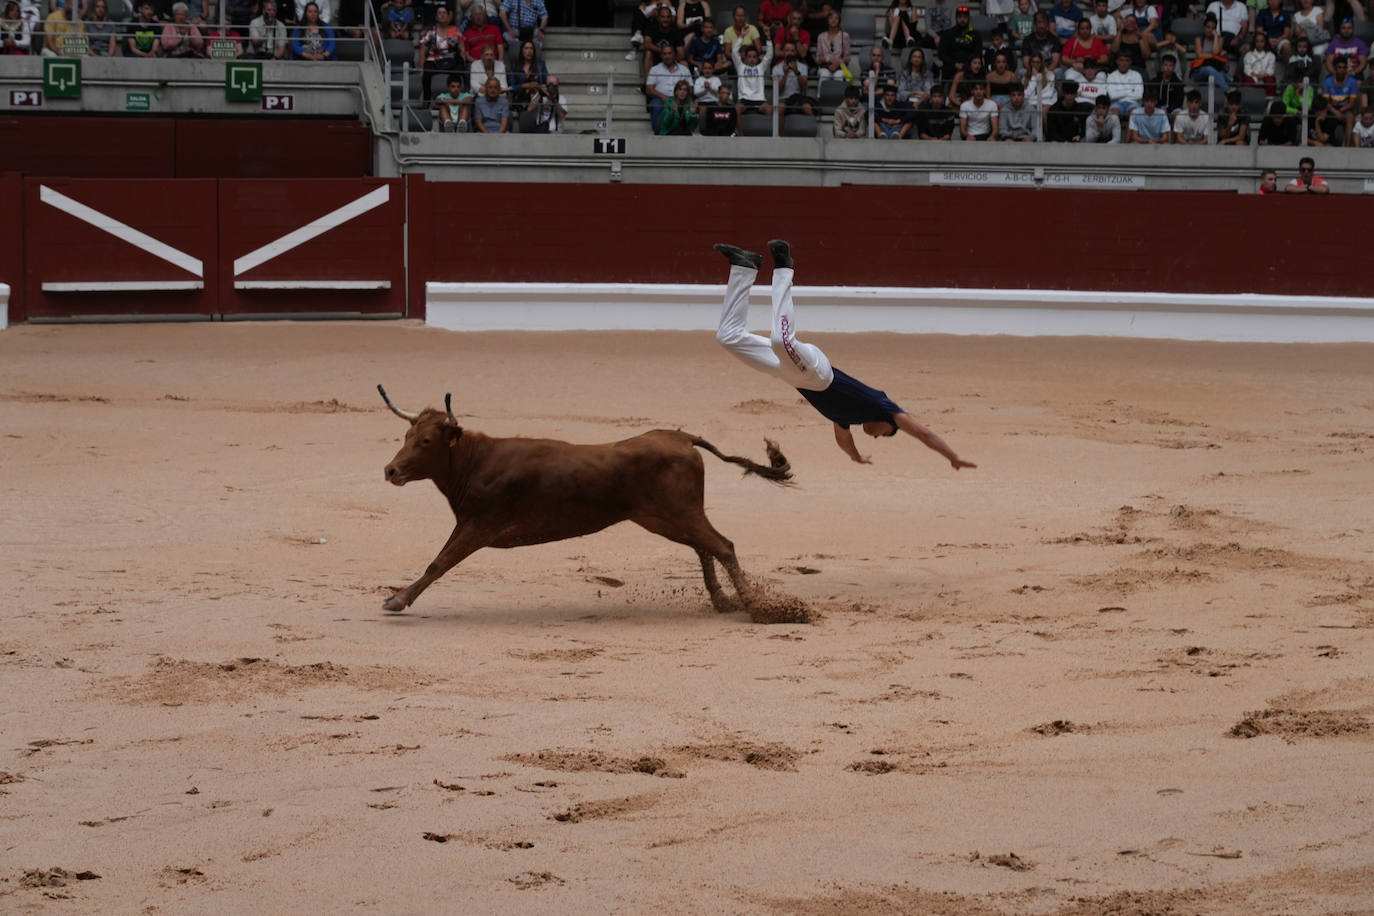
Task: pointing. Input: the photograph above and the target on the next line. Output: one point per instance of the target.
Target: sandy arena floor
(1126, 666)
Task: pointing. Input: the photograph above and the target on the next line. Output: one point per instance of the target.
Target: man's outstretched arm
(845, 440)
(930, 440)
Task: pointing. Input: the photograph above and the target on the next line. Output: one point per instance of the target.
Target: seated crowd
(1101, 71)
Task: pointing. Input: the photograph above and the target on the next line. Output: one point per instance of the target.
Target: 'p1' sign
(278, 102)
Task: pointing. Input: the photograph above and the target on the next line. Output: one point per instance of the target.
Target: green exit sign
(62, 78)
(138, 101)
(243, 81)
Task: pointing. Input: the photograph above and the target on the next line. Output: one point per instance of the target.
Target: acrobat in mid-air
(841, 398)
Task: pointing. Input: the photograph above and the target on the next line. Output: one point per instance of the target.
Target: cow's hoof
(394, 605)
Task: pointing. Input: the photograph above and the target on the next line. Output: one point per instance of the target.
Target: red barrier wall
(12, 241)
(362, 242)
(1166, 241)
(79, 147)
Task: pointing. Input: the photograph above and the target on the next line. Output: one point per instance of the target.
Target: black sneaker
(739, 257)
(781, 252)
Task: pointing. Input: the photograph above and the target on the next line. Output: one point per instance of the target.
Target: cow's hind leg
(700, 535)
(708, 572)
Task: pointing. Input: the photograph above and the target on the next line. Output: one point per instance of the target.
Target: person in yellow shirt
(56, 27)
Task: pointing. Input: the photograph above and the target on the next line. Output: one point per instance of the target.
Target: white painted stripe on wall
(123, 286)
(312, 284)
(121, 231)
(1256, 318)
(4, 306)
(312, 229)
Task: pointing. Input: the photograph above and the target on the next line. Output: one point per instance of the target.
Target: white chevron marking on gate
(121, 231)
(297, 237)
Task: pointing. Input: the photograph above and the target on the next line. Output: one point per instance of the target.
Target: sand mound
(173, 681)
(770, 756)
(779, 608)
(594, 761)
(1293, 724)
(611, 807)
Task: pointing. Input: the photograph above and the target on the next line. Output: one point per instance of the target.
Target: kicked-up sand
(1126, 666)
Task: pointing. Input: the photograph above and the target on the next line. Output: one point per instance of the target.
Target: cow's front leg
(460, 544)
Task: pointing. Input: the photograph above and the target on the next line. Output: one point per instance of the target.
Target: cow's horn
(394, 409)
(448, 406)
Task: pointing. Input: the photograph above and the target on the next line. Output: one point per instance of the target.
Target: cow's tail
(778, 469)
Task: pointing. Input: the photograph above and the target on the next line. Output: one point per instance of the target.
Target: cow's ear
(454, 434)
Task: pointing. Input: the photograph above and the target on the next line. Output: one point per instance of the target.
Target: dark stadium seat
(859, 24)
(398, 49)
(349, 49)
(754, 124)
(799, 125)
(832, 93)
(419, 118)
(1253, 101)
(438, 84)
(1186, 29)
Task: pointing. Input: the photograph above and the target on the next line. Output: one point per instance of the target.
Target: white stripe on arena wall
(906, 310)
(4, 306)
(297, 237)
(120, 230)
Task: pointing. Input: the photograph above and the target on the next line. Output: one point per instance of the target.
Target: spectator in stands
(850, 121)
(1346, 45)
(399, 17)
(1233, 127)
(706, 46)
(1193, 127)
(1210, 62)
(791, 76)
(16, 36)
(1308, 181)
(1083, 45)
(240, 12)
(179, 37)
(1147, 16)
(1278, 128)
(525, 20)
(960, 89)
(978, 115)
(57, 27)
(1002, 79)
(644, 14)
(1041, 42)
(816, 13)
(878, 74)
(267, 38)
(440, 50)
(426, 13)
(901, 25)
(1103, 125)
(1343, 91)
(741, 29)
(1066, 118)
(527, 80)
(488, 68)
(751, 76)
(720, 119)
(892, 118)
(1269, 182)
(1149, 124)
(1310, 23)
(491, 113)
(349, 20)
(773, 15)
(998, 43)
(1040, 89)
(1092, 82)
(662, 32)
(1064, 17)
(1363, 134)
(313, 40)
(1102, 22)
(1018, 121)
(1258, 66)
(1022, 25)
(1233, 24)
(143, 34)
(1277, 23)
(935, 120)
(939, 16)
(1125, 86)
(833, 50)
(550, 108)
(455, 107)
(102, 35)
(959, 44)
(1322, 125)
(1303, 64)
(691, 16)
(679, 117)
(480, 34)
(1130, 40)
(707, 85)
(662, 82)
(1169, 87)
(913, 85)
(799, 36)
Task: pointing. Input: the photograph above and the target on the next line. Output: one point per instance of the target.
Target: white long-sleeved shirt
(751, 83)
(1129, 85)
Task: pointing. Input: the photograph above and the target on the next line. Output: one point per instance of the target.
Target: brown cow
(512, 492)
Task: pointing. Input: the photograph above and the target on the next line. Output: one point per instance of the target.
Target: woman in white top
(1040, 91)
(486, 68)
(1310, 21)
